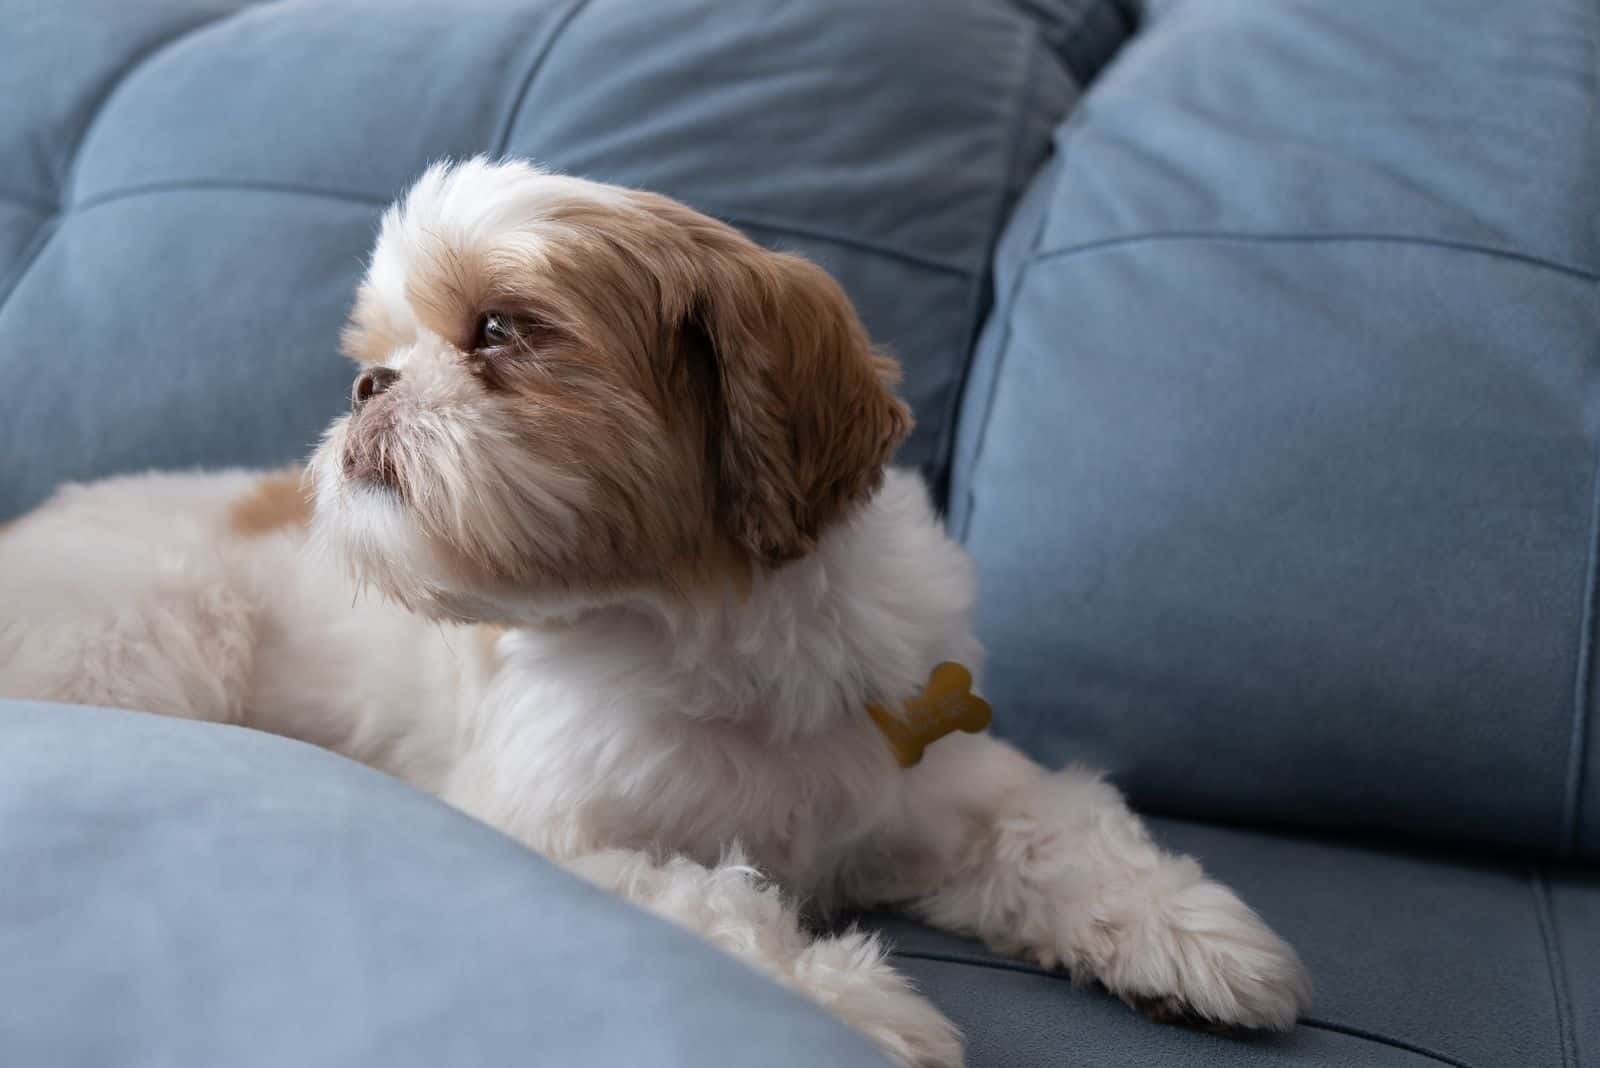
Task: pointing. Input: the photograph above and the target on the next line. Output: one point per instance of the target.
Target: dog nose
(370, 383)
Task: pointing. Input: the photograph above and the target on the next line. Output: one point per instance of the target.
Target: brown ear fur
(808, 417)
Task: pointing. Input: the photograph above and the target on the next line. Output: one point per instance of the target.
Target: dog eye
(493, 331)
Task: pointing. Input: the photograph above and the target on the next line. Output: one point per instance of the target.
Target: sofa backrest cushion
(1279, 456)
(187, 190)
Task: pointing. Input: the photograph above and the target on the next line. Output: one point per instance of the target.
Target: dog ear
(805, 413)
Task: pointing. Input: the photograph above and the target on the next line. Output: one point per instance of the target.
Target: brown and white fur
(635, 464)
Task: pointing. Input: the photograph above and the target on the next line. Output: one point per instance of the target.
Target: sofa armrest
(182, 893)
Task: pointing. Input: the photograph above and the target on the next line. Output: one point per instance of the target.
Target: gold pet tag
(946, 704)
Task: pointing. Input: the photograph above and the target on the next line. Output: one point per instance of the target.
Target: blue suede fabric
(1278, 457)
(1277, 452)
(1419, 959)
(187, 190)
(181, 894)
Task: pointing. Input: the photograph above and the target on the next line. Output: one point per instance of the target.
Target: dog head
(574, 393)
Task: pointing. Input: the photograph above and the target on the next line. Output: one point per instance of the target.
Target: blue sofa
(1255, 349)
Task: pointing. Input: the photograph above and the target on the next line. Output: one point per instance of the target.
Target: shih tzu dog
(696, 631)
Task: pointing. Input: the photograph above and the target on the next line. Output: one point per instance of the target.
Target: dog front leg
(731, 906)
(1055, 868)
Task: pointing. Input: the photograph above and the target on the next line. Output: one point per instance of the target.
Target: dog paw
(733, 908)
(1195, 954)
(849, 976)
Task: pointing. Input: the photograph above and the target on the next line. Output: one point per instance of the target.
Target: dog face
(574, 393)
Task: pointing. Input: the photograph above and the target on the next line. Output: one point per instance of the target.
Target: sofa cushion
(1279, 457)
(1419, 961)
(187, 190)
(189, 894)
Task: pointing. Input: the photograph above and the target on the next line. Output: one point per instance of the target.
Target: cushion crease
(742, 220)
(228, 185)
(1565, 1030)
(1580, 271)
(509, 123)
(745, 219)
(138, 63)
(1312, 1022)
(37, 207)
(945, 446)
(1584, 683)
(41, 238)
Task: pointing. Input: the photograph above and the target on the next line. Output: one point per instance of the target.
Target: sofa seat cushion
(1419, 961)
(1279, 457)
(191, 895)
(187, 190)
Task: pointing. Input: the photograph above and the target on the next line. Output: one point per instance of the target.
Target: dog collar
(946, 704)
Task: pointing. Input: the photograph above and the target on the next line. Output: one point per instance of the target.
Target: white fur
(669, 733)
(668, 746)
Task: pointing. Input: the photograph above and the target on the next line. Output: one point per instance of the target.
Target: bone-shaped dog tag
(946, 704)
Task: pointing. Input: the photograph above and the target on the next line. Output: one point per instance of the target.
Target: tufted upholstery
(1276, 454)
(187, 189)
(1279, 457)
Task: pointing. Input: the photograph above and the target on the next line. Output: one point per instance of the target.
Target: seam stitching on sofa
(1583, 699)
(743, 219)
(35, 207)
(41, 238)
(1583, 681)
(509, 123)
(227, 185)
(1176, 236)
(374, 200)
(1004, 307)
(1565, 1032)
(1384, 1040)
(944, 447)
(1582, 714)
(140, 62)
(1320, 1025)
